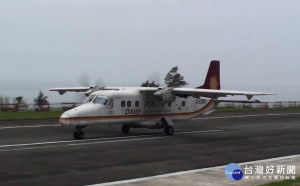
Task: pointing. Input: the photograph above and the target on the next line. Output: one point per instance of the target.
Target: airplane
(148, 107)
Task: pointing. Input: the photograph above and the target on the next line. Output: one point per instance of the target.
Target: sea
(30, 90)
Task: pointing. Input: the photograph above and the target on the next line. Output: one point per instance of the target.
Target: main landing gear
(164, 123)
(79, 134)
(169, 130)
(125, 129)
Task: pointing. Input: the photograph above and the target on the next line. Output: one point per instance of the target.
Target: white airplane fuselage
(148, 107)
(129, 105)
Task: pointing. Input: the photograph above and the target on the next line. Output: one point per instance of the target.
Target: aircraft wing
(61, 91)
(210, 93)
(86, 90)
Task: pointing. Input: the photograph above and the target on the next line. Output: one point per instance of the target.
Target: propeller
(84, 80)
(164, 93)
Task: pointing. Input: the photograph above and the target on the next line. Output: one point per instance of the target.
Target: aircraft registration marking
(133, 111)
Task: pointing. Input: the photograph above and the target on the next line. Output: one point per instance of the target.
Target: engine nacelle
(92, 89)
(165, 95)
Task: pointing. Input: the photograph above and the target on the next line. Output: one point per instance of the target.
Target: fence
(277, 104)
(67, 106)
(33, 107)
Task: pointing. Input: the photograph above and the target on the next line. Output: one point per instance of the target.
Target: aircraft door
(147, 104)
(110, 106)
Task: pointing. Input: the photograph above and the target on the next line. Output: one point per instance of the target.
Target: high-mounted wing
(87, 90)
(61, 91)
(210, 93)
(167, 94)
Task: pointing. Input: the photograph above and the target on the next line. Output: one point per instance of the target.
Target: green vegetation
(284, 183)
(149, 84)
(174, 78)
(29, 115)
(230, 109)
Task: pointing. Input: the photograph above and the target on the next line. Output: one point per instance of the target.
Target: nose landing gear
(79, 134)
(168, 126)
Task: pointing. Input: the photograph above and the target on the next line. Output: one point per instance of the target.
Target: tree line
(172, 79)
(39, 101)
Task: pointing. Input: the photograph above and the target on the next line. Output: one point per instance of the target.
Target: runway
(42, 152)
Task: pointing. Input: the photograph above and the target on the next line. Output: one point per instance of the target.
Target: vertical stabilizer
(212, 80)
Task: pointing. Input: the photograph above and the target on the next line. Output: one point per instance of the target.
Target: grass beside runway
(230, 109)
(30, 115)
(284, 183)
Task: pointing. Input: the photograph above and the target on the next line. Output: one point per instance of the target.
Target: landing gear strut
(168, 129)
(125, 129)
(79, 134)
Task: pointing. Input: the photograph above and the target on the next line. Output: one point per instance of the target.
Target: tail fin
(212, 80)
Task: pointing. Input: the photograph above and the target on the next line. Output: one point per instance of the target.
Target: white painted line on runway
(138, 139)
(244, 116)
(30, 146)
(70, 141)
(29, 126)
(220, 117)
(190, 171)
(91, 143)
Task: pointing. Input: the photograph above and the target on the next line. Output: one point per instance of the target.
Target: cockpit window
(101, 100)
(90, 98)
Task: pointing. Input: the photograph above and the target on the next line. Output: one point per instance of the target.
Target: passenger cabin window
(110, 104)
(137, 104)
(122, 103)
(101, 100)
(170, 104)
(183, 103)
(128, 103)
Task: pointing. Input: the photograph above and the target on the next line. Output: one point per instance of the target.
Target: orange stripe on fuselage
(140, 116)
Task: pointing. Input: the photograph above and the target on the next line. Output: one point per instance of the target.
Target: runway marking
(70, 141)
(190, 171)
(220, 117)
(30, 146)
(29, 126)
(244, 116)
(124, 140)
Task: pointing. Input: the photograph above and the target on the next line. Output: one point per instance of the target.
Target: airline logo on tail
(213, 83)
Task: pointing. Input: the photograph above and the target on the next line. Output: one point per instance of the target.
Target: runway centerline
(244, 116)
(52, 144)
(29, 126)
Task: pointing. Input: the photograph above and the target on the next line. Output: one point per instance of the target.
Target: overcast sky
(51, 43)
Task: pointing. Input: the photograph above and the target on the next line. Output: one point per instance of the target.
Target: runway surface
(43, 153)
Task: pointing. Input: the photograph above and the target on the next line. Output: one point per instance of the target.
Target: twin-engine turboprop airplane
(148, 107)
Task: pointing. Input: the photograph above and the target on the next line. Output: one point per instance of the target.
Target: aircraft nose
(64, 119)
(65, 115)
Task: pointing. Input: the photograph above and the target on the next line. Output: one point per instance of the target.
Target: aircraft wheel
(125, 129)
(78, 135)
(169, 130)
